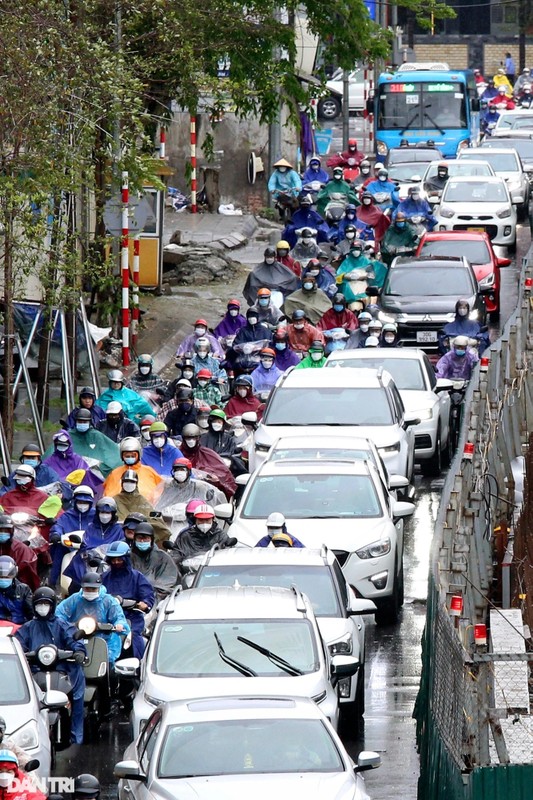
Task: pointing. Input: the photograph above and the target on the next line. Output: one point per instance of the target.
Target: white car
(318, 574)
(421, 392)
(478, 204)
(234, 748)
(518, 118)
(330, 106)
(341, 504)
(240, 639)
(346, 402)
(456, 169)
(507, 164)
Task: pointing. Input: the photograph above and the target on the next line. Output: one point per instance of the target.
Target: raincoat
(63, 463)
(97, 415)
(237, 406)
(134, 406)
(263, 380)
(44, 476)
(229, 326)
(301, 340)
(149, 480)
(160, 459)
(128, 502)
(71, 520)
(275, 277)
(284, 359)
(125, 427)
(348, 265)
(373, 217)
(319, 174)
(178, 494)
(95, 535)
(338, 319)
(26, 561)
(187, 345)
(157, 566)
(131, 584)
(315, 303)
(192, 542)
(15, 603)
(413, 208)
(455, 367)
(202, 458)
(398, 242)
(305, 218)
(289, 182)
(94, 444)
(105, 609)
(335, 187)
(309, 363)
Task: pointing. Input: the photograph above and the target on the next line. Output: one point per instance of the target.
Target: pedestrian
(510, 69)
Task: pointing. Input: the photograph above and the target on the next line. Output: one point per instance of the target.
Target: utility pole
(274, 129)
(345, 108)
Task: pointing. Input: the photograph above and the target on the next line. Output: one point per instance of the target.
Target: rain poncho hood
(275, 277)
(134, 406)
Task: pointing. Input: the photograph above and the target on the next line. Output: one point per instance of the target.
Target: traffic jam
(194, 570)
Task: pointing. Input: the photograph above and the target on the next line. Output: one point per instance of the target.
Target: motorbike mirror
(168, 545)
(87, 625)
(54, 700)
(32, 765)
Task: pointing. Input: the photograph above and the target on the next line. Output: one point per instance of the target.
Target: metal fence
(472, 710)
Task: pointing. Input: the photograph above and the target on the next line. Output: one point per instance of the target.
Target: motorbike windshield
(422, 106)
(422, 282)
(329, 406)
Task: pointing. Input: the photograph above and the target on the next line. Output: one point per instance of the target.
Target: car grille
(492, 230)
(479, 217)
(342, 556)
(423, 441)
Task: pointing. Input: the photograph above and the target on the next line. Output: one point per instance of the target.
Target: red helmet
(204, 511)
(182, 462)
(205, 373)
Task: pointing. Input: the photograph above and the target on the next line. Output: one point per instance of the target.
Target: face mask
(337, 176)
(188, 373)
(202, 353)
(460, 353)
(203, 527)
(252, 320)
(367, 201)
(42, 609)
(83, 507)
(273, 531)
(280, 346)
(350, 215)
(129, 486)
(307, 239)
(82, 427)
(264, 302)
(5, 583)
(6, 779)
(400, 225)
(299, 326)
(315, 167)
(356, 251)
(462, 312)
(90, 596)
(158, 441)
(365, 171)
(190, 443)
(143, 546)
(415, 197)
(389, 339)
(363, 327)
(217, 426)
(313, 273)
(22, 481)
(202, 423)
(202, 384)
(4, 537)
(61, 447)
(130, 460)
(145, 370)
(316, 356)
(283, 170)
(31, 462)
(199, 331)
(242, 392)
(382, 178)
(234, 312)
(186, 407)
(181, 475)
(269, 260)
(266, 363)
(282, 253)
(146, 434)
(308, 285)
(350, 235)
(338, 308)
(105, 518)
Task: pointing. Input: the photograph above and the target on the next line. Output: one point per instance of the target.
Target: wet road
(393, 654)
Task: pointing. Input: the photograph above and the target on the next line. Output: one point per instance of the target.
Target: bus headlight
(381, 148)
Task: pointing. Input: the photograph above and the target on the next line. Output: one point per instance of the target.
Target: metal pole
(345, 108)
(90, 349)
(4, 449)
(31, 396)
(162, 143)
(274, 129)
(124, 267)
(67, 373)
(194, 185)
(27, 350)
(135, 321)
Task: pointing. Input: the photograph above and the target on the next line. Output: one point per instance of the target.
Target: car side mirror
(344, 666)
(409, 420)
(224, 511)
(127, 667)
(367, 760)
(130, 770)
(398, 482)
(360, 606)
(242, 480)
(53, 700)
(443, 385)
(503, 262)
(402, 509)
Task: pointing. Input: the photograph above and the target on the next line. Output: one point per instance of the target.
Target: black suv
(419, 295)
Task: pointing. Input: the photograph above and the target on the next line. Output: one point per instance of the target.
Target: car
(419, 295)
(346, 402)
(204, 642)
(477, 249)
(406, 174)
(330, 106)
(421, 392)
(518, 117)
(341, 504)
(456, 168)
(507, 164)
(318, 574)
(479, 204)
(233, 747)
(521, 141)
(418, 153)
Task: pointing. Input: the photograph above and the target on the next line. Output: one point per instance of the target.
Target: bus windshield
(422, 106)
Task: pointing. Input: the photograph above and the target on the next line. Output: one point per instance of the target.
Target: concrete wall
(456, 55)
(485, 52)
(234, 139)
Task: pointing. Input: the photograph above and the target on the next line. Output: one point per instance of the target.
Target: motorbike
(313, 188)
(457, 396)
(246, 357)
(358, 280)
(351, 172)
(419, 224)
(28, 530)
(335, 339)
(384, 201)
(334, 210)
(48, 678)
(285, 204)
(488, 129)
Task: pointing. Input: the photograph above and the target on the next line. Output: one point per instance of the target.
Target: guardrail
(466, 721)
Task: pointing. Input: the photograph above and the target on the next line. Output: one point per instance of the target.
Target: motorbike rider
(301, 333)
(146, 424)
(24, 557)
(49, 626)
(351, 157)
(348, 220)
(489, 119)
(270, 274)
(243, 399)
(523, 79)
(437, 183)
(459, 362)
(478, 77)
(217, 437)
(155, 564)
(346, 243)
(202, 535)
(352, 273)
(501, 80)
(276, 526)
(503, 101)
(15, 596)
(371, 341)
(375, 329)
(131, 504)
(231, 322)
(312, 300)
(202, 458)
(338, 316)
(284, 180)
(45, 475)
(116, 425)
(525, 98)
(389, 335)
(14, 783)
(185, 372)
(64, 461)
(415, 206)
(90, 443)
(205, 391)
(103, 530)
(283, 257)
(384, 186)
(253, 331)
(185, 487)
(123, 581)
(315, 358)
(145, 379)
(161, 453)
(265, 375)
(76, 518)
(359, 337)
(86, 399)
(27, 497)
(323, 275)
(400, 239)
(370, 215)
(200, 332)
(314, 172)
(203, 359)
(285, 356)
(93, 600)
(184, 412)
(336, 186)
(267, 312)
(133, 404)
(490, 90)
(305, 217)
(462, 325)
(130, 453)
(365, 173)
(86, 787)
(306, 247)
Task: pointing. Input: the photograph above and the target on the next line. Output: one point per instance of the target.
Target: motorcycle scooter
(49, 679)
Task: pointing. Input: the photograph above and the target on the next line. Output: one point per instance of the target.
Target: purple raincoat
(229, 326)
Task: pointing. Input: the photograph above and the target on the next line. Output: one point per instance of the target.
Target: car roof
(271, 556)
(7, 644)
(439, 236)
(482, 178)
(310, 378)
(239, 602)
(302, 466)
(240, 707)
(384, 352)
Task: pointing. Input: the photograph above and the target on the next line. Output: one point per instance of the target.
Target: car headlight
(375, 550)
(154, 701)
(386, 317)
(447, 213)
(381, 148)
(261, 448)
(319, 698)
(342, 647)
(503, 213)
(487, 281)
(27, 736)
(391, 448)
(426, 413)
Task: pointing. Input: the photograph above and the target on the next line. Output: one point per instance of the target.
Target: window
(407, 373)
(433, 282)
(476, 252)
(475, 191)
(328, 406)
(422, 106)
(147, 740)
(13, 686)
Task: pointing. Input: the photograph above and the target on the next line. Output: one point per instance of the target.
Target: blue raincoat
(160, 458)
(131, 584)
(105, 609)
(134, 406)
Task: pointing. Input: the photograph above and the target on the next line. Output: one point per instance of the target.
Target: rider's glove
(79, 657)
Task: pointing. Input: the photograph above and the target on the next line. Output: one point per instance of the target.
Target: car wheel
(388, 612)
(447, 453)
(350, 714)
(329, 108)
(433, 466)
(494, 316)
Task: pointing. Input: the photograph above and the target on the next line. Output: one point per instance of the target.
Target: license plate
(478, 229)
(423, 337)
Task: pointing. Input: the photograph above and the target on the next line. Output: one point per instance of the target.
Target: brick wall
(456, 55)
(495, 53)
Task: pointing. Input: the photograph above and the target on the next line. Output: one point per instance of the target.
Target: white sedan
(478, 204)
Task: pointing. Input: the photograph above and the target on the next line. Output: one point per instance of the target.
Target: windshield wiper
(275, 659)
(410, 122)
(434, 123)
(231, 662)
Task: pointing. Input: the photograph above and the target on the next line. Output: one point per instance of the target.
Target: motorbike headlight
(46, 655)
(487, 281)
(27, 736)
(426, 413)
(87, 625)
(342, 647)
(375, 550)
(447, 213)
(503, 213)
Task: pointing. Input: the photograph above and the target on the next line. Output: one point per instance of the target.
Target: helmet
(158, 427)
(218, 413)
(375, 323)
(191, 507)
(367, 196)
(3, 726)
(404, 143)
(364, 164)
(269, 252)
(390, 327)
(281, 335)
(305, 199)
(384, 172)
(145, 529)
(234, 302)
(372, 341)
(202, 343)
(108, 505)
(400, 217)
(130, 444)
(191, 431)
(184, 394)
(339, 299)
(352, 142)
(87, 391)
(267, 351)
(133, 519)
(275, 520)
(283, 245)
(460, 341)
(82, 413)
(6, 523)
(350, 228)
(282, 540)
(45, 595)
(145, 358)
(24, 470)
(316, 346)
(414, 190)
(336, 170)
(204, 511)
(9, 756)
(117, 550)
(147, 421)
(129, 475)
(83, 491)
(182, 462)
(87, 785)
(8, 568)
(298, 314)
(243, 380)
(313, 263)
(116, 375)
(204, 373)
(315, 160)
(31, 449)
(307, 232)
(264, 292)
(442, 167)
(365, 316)
(114, 407)
(89, 579)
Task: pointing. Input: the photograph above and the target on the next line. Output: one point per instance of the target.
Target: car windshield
(315, 582)
(460, 168)
(189, 649)
(247, 747)
(500, 162)
(315, 496)
(476, 252)
(407, 372)
(13, 686)
(329, 406)
(421, 281)
(474, 192)
(512, 121)
(320, 453)
(406, 172)
(524, 147)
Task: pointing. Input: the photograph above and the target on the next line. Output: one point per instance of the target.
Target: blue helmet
(117, 550)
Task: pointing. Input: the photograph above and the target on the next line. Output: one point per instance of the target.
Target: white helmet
(460, 341)
(275, 520)
(130, 444)
(372, 341)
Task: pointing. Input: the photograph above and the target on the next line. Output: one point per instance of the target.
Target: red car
(477, 248)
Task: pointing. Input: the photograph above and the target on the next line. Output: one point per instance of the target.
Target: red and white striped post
(371, 115)
(135, 321)
(124, 266)
(162, 143)
(194, 206)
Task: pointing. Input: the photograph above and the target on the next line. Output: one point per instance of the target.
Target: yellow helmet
(283, 245)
